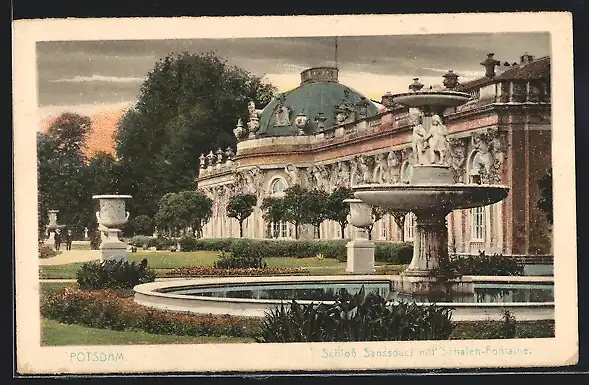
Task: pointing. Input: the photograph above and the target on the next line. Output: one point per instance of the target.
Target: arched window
(475, 166)
(406, 170)
(280, 229)
(277, 187)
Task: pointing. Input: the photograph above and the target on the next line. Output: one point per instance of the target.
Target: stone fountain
(111, 217)
(431, 193)
(52, 227)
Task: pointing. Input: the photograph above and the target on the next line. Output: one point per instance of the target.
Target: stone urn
(52, 227)
(360, 250)
(111, 216)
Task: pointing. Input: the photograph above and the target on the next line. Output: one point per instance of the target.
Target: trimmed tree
(273, 212)
(241, 207)
(295, 201)
(337, 210)
(316, 209)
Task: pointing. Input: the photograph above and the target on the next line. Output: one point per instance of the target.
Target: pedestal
(430, 245)
(51, 240)
(112, 248)
(360, 256)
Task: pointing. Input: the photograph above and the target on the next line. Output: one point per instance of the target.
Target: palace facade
(323, 134)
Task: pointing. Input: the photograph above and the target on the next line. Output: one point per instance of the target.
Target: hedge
(389, 252)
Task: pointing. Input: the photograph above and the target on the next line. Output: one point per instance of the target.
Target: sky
(91, 77)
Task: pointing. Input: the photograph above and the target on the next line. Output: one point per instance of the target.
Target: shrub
(486, 265)
(112, 274)
(395, 253)
(243, 259)
(140, 240)
(358, 317)
(188, 244)
(389, 252)
(163, 243)
(95, 239)
(46, 251)
(116, 310)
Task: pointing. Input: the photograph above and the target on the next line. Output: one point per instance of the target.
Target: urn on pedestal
(360, 254)
(52, 227)
(111, 217)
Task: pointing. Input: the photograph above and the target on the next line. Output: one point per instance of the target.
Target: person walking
(57, 239)
(68, 240)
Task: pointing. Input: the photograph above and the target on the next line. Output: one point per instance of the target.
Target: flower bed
(116, 310)
(206, 271)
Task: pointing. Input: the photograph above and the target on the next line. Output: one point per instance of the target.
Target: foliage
(337, 210)
(186, 208)
(273, 211)
(399, 218)
(389, 252)
(241, 207)
(141, 240)
(188, 105)
(483, 264)
(240, 258)
(545, 202)
(294, 204)
(395, 253)
(116, 310)
(206, 271)
(62, 175)
(95, 239)
(113, 274)
(358, 317)
(316, 209)
(46, 251)
(143, 225)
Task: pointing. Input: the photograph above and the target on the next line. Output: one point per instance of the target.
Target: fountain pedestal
(360, 251)
(430, 244)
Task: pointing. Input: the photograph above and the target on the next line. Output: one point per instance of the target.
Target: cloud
(98, 78)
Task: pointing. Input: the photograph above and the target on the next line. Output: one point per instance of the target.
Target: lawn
(54, 333)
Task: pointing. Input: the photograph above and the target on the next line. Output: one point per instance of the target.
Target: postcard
(301, 193)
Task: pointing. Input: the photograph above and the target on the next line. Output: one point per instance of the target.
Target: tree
(273, 212)
(143, 225)
(316, 209)
(241, 207)
(189, 104)
(178, 210)
(545, 202)
(377, 214)
(295, 204)
(62, 175)
(337, 210)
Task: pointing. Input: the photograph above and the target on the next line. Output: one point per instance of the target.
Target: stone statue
(437, 142)
(238, 131)
(254, 123)
(393, 163)
(343, 174)
(364, 169)
(282, 116)
(419, 142)
(85, 233)
(293, 174)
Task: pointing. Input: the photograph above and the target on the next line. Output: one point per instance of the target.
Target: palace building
(323, 134)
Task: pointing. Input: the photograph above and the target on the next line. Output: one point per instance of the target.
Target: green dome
(319, 93)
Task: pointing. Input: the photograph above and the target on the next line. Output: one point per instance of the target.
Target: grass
(485, 329)
(54, 333)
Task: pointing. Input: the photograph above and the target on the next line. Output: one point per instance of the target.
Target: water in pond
(328, 291)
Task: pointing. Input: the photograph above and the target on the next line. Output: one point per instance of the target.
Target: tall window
(409, 227)
(384, 221)
(477, 220)
(277, 187)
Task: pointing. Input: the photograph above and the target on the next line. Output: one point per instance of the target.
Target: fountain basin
(442, 197)
(432, 98)
(204, 295)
